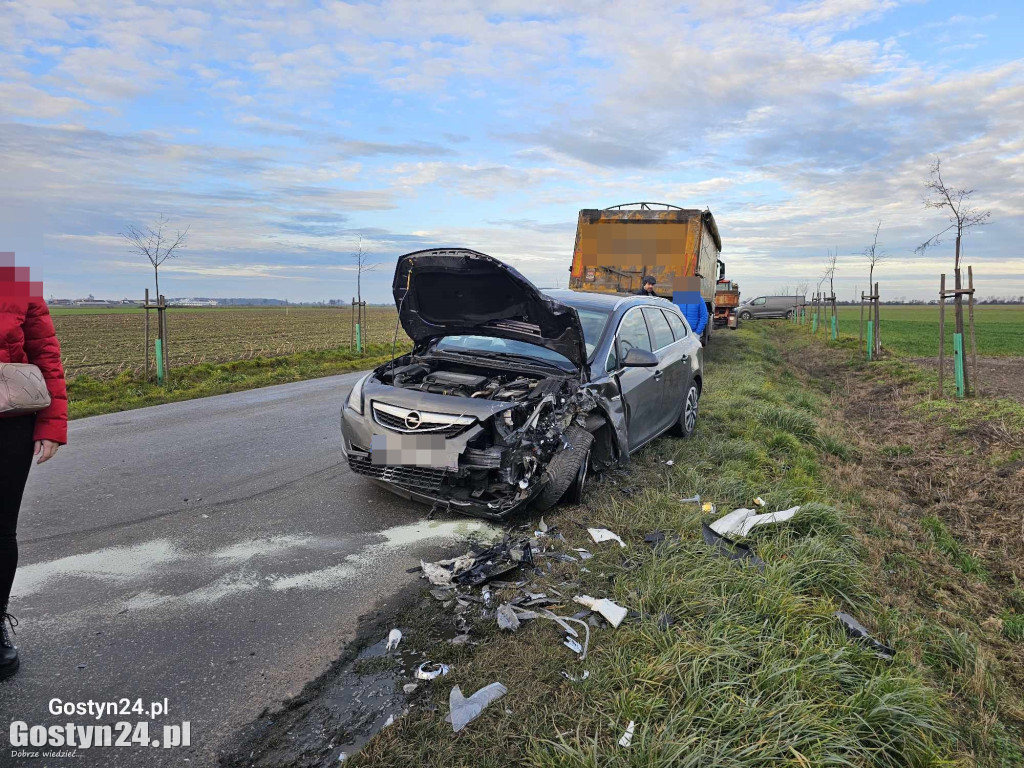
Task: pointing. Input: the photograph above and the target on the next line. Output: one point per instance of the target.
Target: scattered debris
(342, 757)
(759, 501)
(603, 534)
(442, 593)
(741, 521)
(442, 572)
(542, 526)
(502, 558)
(669, 463)
(576, 678)
(507, 618)
(389, 721)
(627, 737)
(584, 554)
(665, 621)
(410, 687)
(726, 547)
(573, 645)
(691, 500)
(708, 508)
(459, 639)
(655, 539)
(858, 631)
(612, 611)
(466, 710)
(394, 638)
(428, 670)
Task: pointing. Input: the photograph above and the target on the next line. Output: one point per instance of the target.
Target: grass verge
(720, 664)
(88, 396)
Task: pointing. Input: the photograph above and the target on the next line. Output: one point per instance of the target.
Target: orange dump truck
(727, 298)
(617, 247)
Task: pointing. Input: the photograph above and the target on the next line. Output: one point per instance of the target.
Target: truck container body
(617, 247)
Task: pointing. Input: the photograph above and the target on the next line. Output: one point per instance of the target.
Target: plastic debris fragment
(576, 678)
(389, 721)
(507, 618)
(573, 645)
(394, 638)
(759, 501)
(410, 687)
(669, 463)
(584, 554)
(428, 670)
(741, 521)
(611, 610)
(726, 547)
(603, 534)
(627, 737)
(691, 500)
(542, 526)
(465, 710)
(708, 507)
(858, 631)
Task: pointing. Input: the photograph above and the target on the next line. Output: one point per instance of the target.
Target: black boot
(8, 650)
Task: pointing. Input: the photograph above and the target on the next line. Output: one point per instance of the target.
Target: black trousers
(16, 446)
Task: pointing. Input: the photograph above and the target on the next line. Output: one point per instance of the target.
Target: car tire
(789, 315)
(566, 468)
(687, 423)
(745, 316)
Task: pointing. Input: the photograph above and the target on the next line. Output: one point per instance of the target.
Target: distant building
(193, 302)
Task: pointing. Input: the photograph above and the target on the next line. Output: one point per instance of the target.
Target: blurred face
(691, 284)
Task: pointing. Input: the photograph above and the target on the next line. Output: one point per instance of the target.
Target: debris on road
(611, 610)
(603, 534)
(741, 521)
(394, 638)
(726, 547)
(857, 631)
(428, 670)
(627, 737)
(465, 710)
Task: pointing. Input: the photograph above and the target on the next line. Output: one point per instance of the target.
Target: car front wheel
(568, 467)
(745, 316)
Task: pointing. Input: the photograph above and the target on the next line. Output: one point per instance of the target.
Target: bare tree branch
(962, 216)
(153, 242)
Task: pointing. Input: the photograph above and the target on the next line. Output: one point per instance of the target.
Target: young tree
(874, 254)
(155, 243)
(962, 217)
(361, 258)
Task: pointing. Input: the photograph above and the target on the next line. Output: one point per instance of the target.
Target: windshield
(592, 320)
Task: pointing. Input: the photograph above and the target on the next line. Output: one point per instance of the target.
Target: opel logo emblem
(412, 420)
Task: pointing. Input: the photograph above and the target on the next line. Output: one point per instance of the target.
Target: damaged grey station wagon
(511, 395)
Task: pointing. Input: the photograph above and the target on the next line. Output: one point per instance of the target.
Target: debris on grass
(429, 670)
(857, 631)
(465, 710)
(627, 737)
(576, 678)
(603, 534)
(741, 521)
(612, 611)
(542, 526)
(726, 547)
(691, 500)
(394, 638)
(584, 554)
(507, 618)
(410, 687)
(759, 501)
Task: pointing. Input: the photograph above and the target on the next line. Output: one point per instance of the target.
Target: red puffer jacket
(27, 336)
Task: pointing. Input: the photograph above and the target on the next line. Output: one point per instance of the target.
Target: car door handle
(684, 358)
(657, 375)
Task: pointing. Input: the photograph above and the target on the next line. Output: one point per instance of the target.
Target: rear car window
(678, 328)
(661, 333)
(633, 332)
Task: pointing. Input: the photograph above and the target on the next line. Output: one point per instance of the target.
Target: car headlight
(355, 397)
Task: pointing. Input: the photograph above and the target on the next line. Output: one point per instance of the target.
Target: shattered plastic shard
(584, 554)
(573, 645)
(741, 522)
(576, 678)
(428, 670)
(627, 737)
(394, 638)
(542, 526)
(603, 534)
(725, 547)
(858, 631)
(507, 618)
(692, 500)
(466, 710)
(410, 687)
(759, 501)
(612, 611)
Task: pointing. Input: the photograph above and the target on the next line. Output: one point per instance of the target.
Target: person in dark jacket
(26, 336)
(647, 286)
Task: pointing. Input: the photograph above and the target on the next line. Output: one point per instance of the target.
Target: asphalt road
(215, 553)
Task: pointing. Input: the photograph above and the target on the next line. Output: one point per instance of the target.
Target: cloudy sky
(280, 132)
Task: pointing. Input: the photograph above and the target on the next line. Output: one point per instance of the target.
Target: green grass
(913, 331)
(88, 396)
(947, 544)
(754, 670)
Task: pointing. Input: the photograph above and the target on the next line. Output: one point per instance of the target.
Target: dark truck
(617, 247)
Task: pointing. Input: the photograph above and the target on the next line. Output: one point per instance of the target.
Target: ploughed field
(104, 343)
(913, 331)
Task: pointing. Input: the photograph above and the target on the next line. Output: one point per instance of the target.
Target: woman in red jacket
(26, 336)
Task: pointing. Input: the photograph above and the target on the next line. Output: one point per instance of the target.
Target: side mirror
(639, 358)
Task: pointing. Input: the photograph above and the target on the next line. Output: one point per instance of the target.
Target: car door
(759, 306)
(671, 368)
(641, 391)
(688, 348)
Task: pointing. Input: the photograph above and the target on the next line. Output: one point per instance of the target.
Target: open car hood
(455, 291)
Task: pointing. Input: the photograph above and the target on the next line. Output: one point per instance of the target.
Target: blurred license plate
(412, 450)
